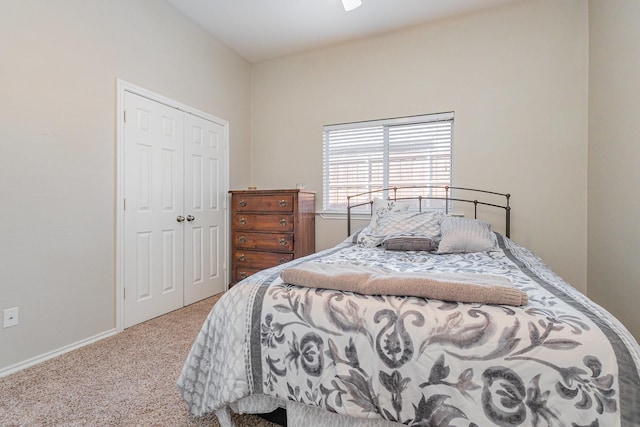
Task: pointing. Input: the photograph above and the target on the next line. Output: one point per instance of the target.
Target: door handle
(190, 218)
(180, 218)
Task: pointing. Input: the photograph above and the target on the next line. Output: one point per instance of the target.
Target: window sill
(343, 216)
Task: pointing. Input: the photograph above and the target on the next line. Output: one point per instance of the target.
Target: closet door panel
(154, 182)
(204, 203)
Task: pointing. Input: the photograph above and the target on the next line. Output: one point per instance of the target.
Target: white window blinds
(366, 156)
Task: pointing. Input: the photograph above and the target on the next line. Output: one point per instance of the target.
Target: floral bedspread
(561, 360)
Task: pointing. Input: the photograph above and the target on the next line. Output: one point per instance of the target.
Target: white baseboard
(50, 355)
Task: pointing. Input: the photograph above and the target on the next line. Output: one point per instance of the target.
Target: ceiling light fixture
(351, 4)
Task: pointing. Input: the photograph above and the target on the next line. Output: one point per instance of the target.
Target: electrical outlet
(10, 317)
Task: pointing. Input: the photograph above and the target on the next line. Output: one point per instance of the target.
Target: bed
(322, 337)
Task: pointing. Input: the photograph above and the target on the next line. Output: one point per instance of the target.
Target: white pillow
(462, 235)
(381, 207)
(353, 238)
(366, 238)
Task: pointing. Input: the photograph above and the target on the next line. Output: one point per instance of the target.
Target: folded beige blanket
(463, 287)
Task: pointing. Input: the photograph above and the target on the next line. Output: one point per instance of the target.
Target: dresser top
(277, 191)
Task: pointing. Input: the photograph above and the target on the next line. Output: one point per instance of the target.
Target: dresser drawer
(264, 241)
(260, 260)
(263, 203)
(262, 222)
(243, 272)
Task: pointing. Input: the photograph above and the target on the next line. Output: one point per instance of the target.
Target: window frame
(386, 124)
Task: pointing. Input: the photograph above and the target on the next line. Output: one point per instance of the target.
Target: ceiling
(264, 29)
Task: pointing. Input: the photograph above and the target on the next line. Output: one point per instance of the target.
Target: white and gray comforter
(561, 360)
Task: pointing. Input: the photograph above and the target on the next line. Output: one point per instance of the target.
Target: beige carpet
(125, 380)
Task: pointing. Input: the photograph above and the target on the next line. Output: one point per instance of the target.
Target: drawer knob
(243, 275)
(242, 257)
(283, 242)
(283, 203)
(242, 239)
(243, 221)
(282, 260)
(283, 222)
(242, 203)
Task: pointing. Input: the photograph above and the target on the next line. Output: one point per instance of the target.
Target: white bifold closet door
(174, 217)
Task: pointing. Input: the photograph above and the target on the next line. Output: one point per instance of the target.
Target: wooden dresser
(270, 227)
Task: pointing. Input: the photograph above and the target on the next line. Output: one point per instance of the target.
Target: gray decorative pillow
(409, 242)
(426, 223)
(462, 235)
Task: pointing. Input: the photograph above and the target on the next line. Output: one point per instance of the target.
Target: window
(402, 152)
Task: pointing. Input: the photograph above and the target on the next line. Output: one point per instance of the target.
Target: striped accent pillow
(462, 235)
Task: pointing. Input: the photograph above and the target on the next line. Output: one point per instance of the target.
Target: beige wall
(516, 77)
(614, 158)
(59, 61)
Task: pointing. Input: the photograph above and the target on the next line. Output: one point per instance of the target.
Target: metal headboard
(392, 193)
